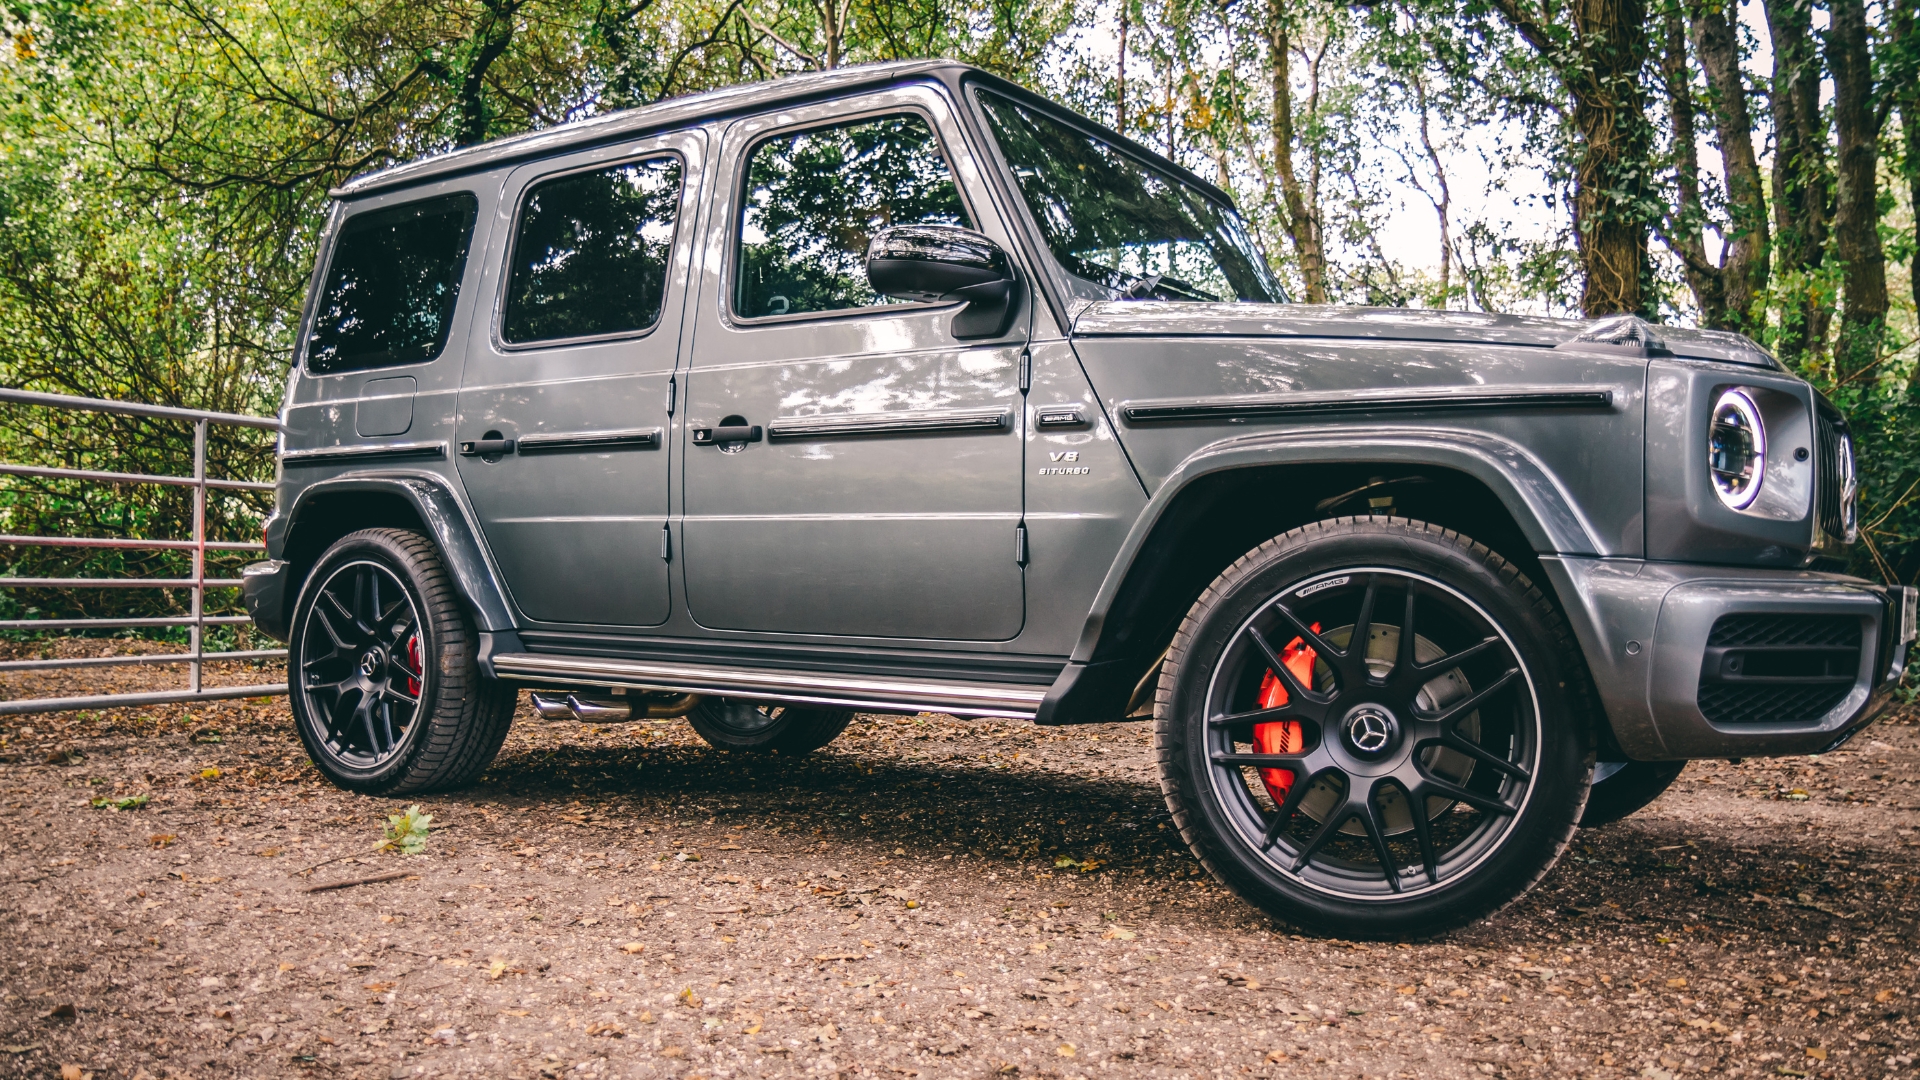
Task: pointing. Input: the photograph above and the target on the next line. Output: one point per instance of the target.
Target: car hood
(1124, 318)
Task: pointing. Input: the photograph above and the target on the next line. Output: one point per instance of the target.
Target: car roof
(663, 115)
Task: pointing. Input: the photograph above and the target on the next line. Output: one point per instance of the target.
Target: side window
(591, 254)
(814, 198)
(392, 286)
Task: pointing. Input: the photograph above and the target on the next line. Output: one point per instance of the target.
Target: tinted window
(591, 255)
(391, 289)
(1127, 228)
(815, 198)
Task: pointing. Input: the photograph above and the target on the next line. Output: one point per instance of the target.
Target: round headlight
(1737, 449)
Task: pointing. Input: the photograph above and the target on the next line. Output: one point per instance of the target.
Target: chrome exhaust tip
(552, 705)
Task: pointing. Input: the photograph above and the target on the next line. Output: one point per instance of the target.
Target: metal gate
(196, 622)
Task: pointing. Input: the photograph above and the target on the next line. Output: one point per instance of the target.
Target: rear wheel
(385, 690)
(1374, 727)
(1622, 789)
(731, 724)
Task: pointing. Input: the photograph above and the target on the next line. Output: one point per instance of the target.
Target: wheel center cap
(1370, 731)
(372, 662)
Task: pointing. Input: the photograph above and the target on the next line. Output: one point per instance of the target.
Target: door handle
(729, 433)
(486, 447)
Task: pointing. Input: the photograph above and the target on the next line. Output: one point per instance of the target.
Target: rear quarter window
(392, 285)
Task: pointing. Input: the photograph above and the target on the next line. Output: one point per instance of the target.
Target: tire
(385, 690)
(1628, 790)
(1484, 721)
(753, 728)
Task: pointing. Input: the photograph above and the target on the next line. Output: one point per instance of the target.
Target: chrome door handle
(730, 433)
(486, 447)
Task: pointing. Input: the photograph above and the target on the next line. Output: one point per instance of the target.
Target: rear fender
(439, 513)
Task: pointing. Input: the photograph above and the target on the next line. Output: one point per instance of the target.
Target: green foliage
(407, 833)
(131, 802)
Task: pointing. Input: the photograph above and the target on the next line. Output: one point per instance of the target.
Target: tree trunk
(1599, 63)
(1302, 221)
(1684, 230)
(1856, 213)
(1749, 248)
(1904, 84)
(1120, 74)
(1799, 179)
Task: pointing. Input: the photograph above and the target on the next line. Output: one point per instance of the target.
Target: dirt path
(622, 901)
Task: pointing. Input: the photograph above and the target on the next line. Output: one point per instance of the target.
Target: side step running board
(792, 687)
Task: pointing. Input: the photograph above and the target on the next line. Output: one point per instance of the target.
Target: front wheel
(1374, 727)
(730, 724)
(386, 692)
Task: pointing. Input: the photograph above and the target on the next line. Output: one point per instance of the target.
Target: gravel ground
(927, 897)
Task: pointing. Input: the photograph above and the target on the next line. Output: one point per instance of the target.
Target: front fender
(442, 515)
(1096, 680)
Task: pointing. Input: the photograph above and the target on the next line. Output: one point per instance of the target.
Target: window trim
(338, 229)
(729, 282)
(499, 327)
(1059, 277)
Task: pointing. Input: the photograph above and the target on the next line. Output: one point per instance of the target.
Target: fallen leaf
(131, 802)
(73, 1072)
(19, 1048)
(1117, 934)
(1817, 1053)
(607, 1030)
(268, 853)
(634, 947)
(161, 840)
(1275, 1057)
(63, 1011)
(211, 772)
(675, 1051)
(379, 987)
(1883, 996)
(1066, 1050)
(1677, 984)
(496, 969)
(826, 957)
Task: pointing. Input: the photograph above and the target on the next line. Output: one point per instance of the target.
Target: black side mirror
(946, 262)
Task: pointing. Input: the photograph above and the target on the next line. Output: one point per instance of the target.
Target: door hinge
(1026, 370)
(1020, 545)
(673, 384)
(666, 542)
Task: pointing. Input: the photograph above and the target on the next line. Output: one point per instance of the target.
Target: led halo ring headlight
(1737, 449)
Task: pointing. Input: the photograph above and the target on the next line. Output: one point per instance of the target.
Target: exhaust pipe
(594, 710)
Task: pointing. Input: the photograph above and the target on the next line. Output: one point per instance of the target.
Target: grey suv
(898, 388)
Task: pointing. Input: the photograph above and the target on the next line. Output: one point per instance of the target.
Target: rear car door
(883, 496)
(564, 399)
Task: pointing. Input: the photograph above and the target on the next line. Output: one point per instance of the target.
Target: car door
(564, 401)
(882, 497)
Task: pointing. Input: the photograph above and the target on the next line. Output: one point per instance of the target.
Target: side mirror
(946, 262)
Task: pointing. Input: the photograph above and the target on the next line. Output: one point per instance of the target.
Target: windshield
(1129, 229)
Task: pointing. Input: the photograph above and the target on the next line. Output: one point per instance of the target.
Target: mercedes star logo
(1369, 730)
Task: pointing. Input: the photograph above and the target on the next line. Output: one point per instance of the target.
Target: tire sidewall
(375, 547)
(1543, 825)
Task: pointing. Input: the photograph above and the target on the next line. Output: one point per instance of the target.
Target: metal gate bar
(196, 655)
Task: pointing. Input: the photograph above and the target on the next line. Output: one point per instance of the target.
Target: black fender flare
(446, 521)
(1094, 685)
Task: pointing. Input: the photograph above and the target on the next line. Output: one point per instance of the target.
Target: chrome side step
(791, 687)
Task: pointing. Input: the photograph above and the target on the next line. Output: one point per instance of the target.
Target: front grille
(1778, 668)
(1724, 704)
(1786, 630)
(1831, 461)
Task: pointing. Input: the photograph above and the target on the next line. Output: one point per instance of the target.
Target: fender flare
(1538, 503)
(447, 523)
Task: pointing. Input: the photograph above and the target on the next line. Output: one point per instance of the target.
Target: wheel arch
(1220, 503)
(324, 512)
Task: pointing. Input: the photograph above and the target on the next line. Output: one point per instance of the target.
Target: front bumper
(1670, 645)
(263, 588)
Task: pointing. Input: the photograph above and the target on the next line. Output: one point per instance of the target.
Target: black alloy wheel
(1374, 727)
(385, 690)
(752, 727)
(360, 663)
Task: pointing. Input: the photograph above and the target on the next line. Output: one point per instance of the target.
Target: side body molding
(446, 521)
(1097, 680)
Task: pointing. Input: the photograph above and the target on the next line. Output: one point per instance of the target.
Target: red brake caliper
(1282, 736)
(414, 669)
